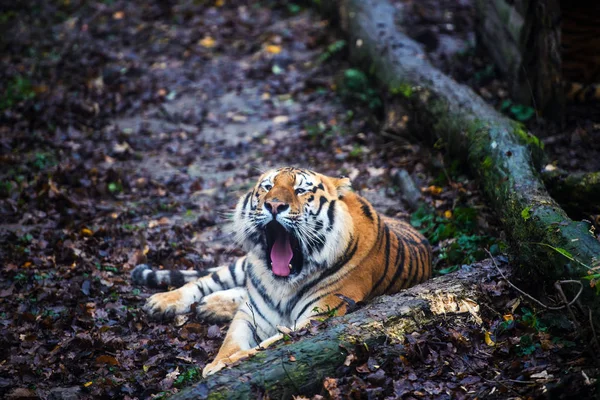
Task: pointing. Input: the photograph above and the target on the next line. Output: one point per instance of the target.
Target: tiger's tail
(143, 275)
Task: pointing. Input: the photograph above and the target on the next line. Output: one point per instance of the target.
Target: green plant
(42, 161)
(356, 87)
(526, 213)
(517, 111)
(594, 281)
(456, 237)
(527, 345)
(17, 90)
(530, 320)
(26, 238)
(319, 132)
(356, 151)
(294, 8)
(6, 188)
(486, 73)
(331, 50)
(188, 376)
(328, 313)
(115, 187)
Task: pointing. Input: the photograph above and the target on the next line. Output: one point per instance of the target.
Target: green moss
(404, 89)
(487, 163)
(260, 356)
(527, 138)
(526, 213)
(219, 396)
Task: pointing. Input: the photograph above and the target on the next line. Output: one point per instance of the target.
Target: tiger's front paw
(168, 304)
(218, 365)
(221, 306)
(213, 367)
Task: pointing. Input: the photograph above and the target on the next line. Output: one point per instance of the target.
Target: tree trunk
(499, 151)
(300, 367)
(523, 38)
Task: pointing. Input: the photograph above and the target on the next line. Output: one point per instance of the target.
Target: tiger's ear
(342, 185)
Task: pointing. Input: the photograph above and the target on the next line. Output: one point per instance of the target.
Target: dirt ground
(128, 130)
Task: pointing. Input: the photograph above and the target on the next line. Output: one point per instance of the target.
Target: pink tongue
(281, 255)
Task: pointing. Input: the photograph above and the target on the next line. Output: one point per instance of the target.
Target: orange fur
(340, 248)
(380, 240)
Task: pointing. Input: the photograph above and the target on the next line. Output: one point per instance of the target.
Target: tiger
(313, 247)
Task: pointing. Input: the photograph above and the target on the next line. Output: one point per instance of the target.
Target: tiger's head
(295, 221)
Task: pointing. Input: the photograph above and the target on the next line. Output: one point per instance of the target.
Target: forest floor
(128, 129)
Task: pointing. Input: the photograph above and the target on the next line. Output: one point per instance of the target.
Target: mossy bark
(300, 367)
(499, 151)
(578, 193)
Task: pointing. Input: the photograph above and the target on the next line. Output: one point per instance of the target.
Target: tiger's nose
(275, 206)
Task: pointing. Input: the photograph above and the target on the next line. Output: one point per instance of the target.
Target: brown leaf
(193, 327)
(330, 385)
(137, 257)
(213, 332)
(21, 393)
(363, 369)
(107, 359)
(349, 359)
(6, 292)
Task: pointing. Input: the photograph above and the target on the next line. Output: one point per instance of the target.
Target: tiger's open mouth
(284, 254)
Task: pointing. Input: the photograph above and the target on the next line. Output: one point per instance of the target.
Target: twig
(287, 374)
(567, 304)
(493, 381)
(441, 160)
(533, 298)
(595, 338)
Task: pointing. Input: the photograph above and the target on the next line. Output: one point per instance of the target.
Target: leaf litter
(128, 130)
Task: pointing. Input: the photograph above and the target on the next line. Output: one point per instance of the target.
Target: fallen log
(499, 151)
(578, 193)
(300, 367)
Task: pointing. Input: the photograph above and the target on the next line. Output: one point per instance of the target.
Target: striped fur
(341, 249)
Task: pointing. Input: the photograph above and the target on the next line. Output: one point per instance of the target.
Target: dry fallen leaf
(281, 119)
(434, 190)
(330, 385)
(273, 49)
(107, 359)
(207, 42)
(542, 375)
(349, 359)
